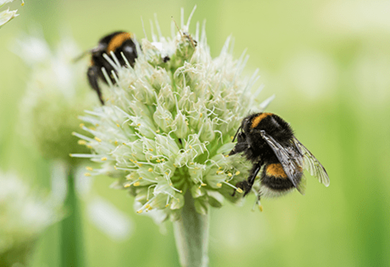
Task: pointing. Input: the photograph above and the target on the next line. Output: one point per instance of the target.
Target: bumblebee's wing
(312, 164)
(289, 157)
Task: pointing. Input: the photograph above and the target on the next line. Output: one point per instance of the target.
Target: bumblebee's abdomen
(275, 170)
(274, 178)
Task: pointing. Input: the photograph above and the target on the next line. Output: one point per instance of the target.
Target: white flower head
(56, 94)
(24, 215)
(168, 124)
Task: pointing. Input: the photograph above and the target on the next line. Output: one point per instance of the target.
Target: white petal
(7, 15)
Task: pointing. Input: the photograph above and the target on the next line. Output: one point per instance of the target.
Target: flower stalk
(191, 235)
(71, 234)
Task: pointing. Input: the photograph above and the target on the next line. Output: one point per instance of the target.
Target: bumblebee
(117, 42)
(269, 143)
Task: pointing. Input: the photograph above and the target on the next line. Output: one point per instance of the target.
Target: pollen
(103, 158)
(220, 168)
(147, 206)
(139, 164)
(203, 184)
(162, 160)
(139, 124)
(97, 139)
(139, 211)
(81, 125)
(158, 160)
(230, 174)
(87, 174)
(82, 142)
(140, 178)
(150, 149)
(116, 143)
(219, 184)
(190, 147)
(136, 183)
(237, 172)
(117, 125)
(150, 170)
(127, 185)
(167, 205)
(89, 168)
(261, 208)
(239, 190)
(201, 115)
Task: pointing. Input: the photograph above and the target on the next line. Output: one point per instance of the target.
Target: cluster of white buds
(168, 124)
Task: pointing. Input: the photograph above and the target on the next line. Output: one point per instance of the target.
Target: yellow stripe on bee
(256, 120)
(117, 41)
(276, 170)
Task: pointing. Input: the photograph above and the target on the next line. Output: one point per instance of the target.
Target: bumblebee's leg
(251, 179)
(93, 81)
(246, 185)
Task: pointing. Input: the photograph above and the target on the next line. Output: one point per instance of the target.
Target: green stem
(191, 235)
(71, 234)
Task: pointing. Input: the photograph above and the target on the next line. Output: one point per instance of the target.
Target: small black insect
(117, 43)
(269, 142)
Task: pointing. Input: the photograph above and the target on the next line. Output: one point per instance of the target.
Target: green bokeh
(328, 64)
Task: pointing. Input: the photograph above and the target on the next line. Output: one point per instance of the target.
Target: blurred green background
(327, 62)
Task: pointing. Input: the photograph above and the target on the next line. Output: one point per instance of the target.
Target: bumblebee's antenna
(90, 51)
(234, 138)
(83, 54)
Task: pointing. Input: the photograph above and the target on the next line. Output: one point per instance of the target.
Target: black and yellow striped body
(274, 180)
(269, 143)
(117, 43)
(273, 177)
